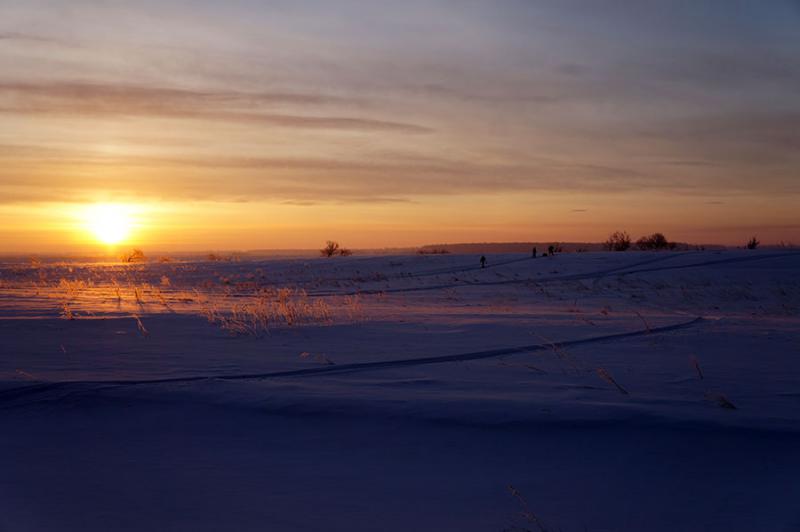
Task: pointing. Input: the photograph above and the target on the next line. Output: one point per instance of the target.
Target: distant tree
(136, 255)
(656, 241)
(344, 252)
(331, 248)
(753, 243)
(618, 241)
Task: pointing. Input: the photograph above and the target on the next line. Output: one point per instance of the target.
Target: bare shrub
(618, 241)
(753, 243)
(655, 242)
(136, 255)
(331, 248)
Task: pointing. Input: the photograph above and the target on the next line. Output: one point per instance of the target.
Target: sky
(281, 124)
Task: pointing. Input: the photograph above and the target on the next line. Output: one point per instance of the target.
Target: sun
(109, 223)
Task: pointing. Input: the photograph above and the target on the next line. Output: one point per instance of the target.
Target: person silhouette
(483, 261)
(533, 253)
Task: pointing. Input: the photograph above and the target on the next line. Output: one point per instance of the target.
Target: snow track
(596, 275)
(18, 392)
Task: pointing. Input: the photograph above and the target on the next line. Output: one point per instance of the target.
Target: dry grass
(720, 400)
(140, 326)
(271, 308)
(526, 512)
(66, 311)
(645, 322)
(696, 364)
(25, 375)
(72, 288)
(606, 376)
(319, 358)
(560, 353)
(525, 366)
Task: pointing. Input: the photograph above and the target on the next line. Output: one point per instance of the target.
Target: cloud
(599, 99)
(28, 38)
(108, 100)
(753, 136)
(393, 177)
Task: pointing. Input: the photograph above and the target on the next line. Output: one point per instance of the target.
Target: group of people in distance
(551, 250)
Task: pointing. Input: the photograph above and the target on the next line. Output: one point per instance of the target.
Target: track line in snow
(621, 270)
(729, 260)
(588, 275)
(353, 367)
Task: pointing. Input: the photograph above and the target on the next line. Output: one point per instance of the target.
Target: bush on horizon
(136, 255)
(332, 249)
(655, 242)
(618, 241)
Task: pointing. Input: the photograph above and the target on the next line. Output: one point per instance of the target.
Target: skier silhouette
(483, 261)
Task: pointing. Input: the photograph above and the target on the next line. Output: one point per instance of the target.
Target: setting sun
(110, 224)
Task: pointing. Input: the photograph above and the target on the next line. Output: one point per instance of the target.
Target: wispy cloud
(104, 100)
(393, 177)
(28, 38)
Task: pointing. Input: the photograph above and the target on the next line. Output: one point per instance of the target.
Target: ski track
(47, 386)
(622, 270)
(459, 269)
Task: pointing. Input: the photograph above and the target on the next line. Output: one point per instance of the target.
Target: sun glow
(109, 223)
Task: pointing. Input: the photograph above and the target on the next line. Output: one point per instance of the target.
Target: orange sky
(280, 125)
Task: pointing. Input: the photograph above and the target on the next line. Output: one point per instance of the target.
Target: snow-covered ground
(612, 391)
